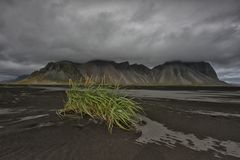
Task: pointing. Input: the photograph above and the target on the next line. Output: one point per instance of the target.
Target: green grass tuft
(102, 102)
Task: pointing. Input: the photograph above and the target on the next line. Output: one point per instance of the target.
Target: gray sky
(34, 32)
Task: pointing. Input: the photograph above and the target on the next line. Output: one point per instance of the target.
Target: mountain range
(169, 73)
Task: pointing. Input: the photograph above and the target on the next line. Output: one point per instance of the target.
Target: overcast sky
(34, 32)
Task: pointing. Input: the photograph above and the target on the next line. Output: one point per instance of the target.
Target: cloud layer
(33, 32)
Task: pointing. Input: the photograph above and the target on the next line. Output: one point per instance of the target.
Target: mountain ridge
(124, 73)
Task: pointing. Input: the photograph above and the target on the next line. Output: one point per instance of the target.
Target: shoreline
(150, 87)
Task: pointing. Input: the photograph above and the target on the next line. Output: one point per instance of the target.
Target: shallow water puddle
(40, 125)
(5, 111)
(204, 96)
(33, 117)
(157, 133)
(210, 113)
(47, 124)
(10, 111)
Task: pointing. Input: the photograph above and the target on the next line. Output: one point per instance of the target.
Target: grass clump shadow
(103, 103)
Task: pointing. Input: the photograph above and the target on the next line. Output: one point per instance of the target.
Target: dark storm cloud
(33, 32)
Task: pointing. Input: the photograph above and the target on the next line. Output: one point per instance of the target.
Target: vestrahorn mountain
(169, 73)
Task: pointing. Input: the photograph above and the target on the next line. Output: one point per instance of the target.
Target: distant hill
(170, 73)
(17, 79)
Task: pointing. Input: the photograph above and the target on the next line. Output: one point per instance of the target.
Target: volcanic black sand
(194, 125)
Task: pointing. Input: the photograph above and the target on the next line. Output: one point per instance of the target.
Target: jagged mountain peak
(201, 67)
(169, 73)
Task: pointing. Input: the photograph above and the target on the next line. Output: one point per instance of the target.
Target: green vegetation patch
(103, 103)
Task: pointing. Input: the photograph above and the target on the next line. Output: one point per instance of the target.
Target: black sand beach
(179, 126)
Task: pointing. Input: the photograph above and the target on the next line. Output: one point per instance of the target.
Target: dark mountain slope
(170, 73)
(185, 73)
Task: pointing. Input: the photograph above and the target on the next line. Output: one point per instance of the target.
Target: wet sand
(181, 125)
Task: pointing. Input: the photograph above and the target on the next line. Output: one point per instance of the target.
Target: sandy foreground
(180, 125)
